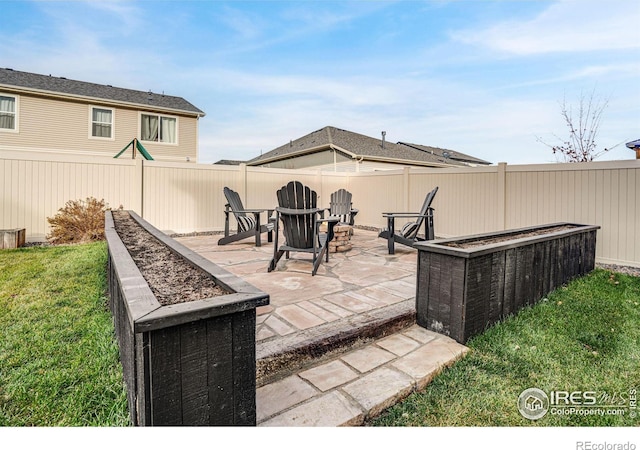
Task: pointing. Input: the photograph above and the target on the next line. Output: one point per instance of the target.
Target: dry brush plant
(583, 123)
(78, 221)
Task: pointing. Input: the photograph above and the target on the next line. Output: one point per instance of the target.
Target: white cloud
(125, 11)
(292, 23)
(566, 26)
(590, 73)
(247, 26)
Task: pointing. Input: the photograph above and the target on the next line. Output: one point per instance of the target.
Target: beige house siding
(335, 161)
(64, 126)
(354, 166)
(372, 166)
(324, 159)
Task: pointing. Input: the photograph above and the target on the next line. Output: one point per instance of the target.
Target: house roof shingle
(63, 86)
(358, 145)
(449, 154)
(229, 162)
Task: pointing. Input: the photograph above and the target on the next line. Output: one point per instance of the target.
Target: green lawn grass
(58, 358)
(583, 337)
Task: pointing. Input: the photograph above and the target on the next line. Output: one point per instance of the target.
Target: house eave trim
(302, 152)
(407, 162)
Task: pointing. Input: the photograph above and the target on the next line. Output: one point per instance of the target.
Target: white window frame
(16, 122)
(159, 116)
(113, 123)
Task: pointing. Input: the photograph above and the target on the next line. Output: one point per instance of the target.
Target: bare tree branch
(581, 145)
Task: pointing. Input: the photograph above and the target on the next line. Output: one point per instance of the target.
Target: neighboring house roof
(358, 146)
(229, 162)
(448, 154)
(47, 84)
(633, 144)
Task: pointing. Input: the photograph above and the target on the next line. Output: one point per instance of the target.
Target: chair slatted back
(340, 205)
(234, 202)
(425, 207)
(298, 230)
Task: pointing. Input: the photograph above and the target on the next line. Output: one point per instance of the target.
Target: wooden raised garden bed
(13, 238)
(467, 284)
(185, 327)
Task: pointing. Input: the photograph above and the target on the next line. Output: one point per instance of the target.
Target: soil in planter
(507, 237)
(171, 279)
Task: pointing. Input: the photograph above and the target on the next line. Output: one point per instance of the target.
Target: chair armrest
(297, 212)
(406, 215)
(253, 211)
(329, 219)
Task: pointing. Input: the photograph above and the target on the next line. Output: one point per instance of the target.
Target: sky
(486, 78)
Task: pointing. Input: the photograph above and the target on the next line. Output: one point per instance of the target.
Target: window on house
(7, 113)
(101, 122)
(158, 128)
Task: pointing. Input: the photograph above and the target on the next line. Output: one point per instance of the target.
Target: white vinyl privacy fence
(183, 197)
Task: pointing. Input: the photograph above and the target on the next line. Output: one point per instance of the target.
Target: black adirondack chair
(408, 234)
(341, 206)
(300, 217)
(248, 220)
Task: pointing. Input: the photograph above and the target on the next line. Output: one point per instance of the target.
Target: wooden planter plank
(445, 289)
(478, 286)
(244, 368)
(519, 273)
(496, 299)
(457, 293)
(193, 362)
(546, 273)
(509, 282)
(462, 291)
(165, 377)
(140, 409)
(221, 369)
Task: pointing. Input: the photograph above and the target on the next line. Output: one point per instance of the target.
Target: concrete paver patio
(363, 300)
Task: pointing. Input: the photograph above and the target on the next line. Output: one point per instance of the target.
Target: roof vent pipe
(384, 133)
